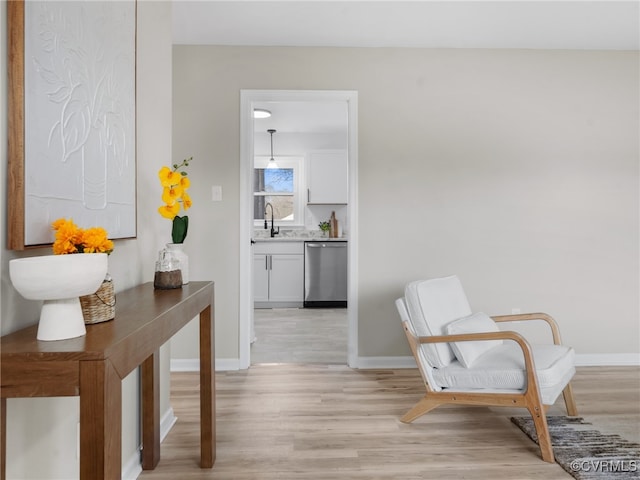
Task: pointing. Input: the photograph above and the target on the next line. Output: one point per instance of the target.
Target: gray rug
(586, 453)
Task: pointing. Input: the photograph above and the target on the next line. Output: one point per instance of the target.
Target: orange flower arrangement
(72, 239)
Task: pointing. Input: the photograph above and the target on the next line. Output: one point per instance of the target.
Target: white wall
(515, 169)
(42, 433)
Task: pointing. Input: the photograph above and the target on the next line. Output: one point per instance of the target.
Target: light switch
(216, 193)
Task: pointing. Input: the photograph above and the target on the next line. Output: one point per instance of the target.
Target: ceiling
(599, 25)
(303, 117)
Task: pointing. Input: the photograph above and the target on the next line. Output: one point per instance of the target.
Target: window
(280, 188)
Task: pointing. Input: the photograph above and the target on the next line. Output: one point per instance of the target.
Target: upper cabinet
(327, 179)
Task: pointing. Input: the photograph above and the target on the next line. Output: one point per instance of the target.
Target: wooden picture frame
(71, 115)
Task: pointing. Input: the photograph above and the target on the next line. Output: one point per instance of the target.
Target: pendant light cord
(271, 131)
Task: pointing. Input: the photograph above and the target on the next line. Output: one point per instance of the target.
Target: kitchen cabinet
(327, 177)
(278, 274)
(260, 278)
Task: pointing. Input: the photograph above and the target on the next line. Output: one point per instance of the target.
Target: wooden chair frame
(530, 399)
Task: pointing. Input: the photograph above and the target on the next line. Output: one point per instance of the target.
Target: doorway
(251, 99)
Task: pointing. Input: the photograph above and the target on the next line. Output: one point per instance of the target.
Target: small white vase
(178, 251)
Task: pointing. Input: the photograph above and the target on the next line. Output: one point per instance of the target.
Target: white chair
(465, 358)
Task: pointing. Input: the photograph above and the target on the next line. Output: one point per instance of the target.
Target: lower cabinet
(278, 274)
(260, 278)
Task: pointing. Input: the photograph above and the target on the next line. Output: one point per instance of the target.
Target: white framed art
(72, 136)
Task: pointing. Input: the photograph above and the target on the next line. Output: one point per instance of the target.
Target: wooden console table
(94, 365)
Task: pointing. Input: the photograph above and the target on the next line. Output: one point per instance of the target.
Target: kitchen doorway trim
(248, 98)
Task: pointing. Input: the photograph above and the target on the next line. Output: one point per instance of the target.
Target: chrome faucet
(274, 232)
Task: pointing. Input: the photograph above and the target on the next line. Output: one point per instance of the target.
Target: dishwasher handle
(325, 244)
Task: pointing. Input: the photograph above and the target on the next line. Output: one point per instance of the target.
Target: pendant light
(272, 162)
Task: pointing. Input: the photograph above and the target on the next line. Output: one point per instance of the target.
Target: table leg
(100, 421)
(207, 390)
(3, 438)
(150, 380)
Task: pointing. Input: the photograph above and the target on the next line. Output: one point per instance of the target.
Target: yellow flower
(95, 241)
(171, 194)
(186, 201)
(68, 236)
(175, 183)
(63, 247)
(168, 177)
(71, 239)
(163, 175)
(169, 211)
(59, 223)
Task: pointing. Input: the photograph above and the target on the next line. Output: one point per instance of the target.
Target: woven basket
(100, 306)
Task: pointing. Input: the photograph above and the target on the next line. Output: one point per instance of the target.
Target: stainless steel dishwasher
(325, 274)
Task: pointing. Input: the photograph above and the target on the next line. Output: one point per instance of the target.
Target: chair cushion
(502, 369)
(432, 304)
(468, 352)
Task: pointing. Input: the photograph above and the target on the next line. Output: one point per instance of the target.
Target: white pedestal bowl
(59, 280)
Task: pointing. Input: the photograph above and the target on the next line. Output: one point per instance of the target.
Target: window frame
(297, 163)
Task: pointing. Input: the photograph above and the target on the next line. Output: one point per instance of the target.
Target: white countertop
(295, 236)
(277, 238)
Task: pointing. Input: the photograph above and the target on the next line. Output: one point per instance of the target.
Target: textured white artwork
(79, 117)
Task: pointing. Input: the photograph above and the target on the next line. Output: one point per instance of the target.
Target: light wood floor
(297, 422)
(300, 335)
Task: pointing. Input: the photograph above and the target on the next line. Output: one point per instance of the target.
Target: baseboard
(371, 363)
(582, 360)
(228, 364)
(608, 359)
(193, 364)
(184, 365)
(167, 422)
(132, 468)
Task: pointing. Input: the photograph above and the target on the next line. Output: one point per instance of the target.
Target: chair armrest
(555, 331)
(470, 337)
